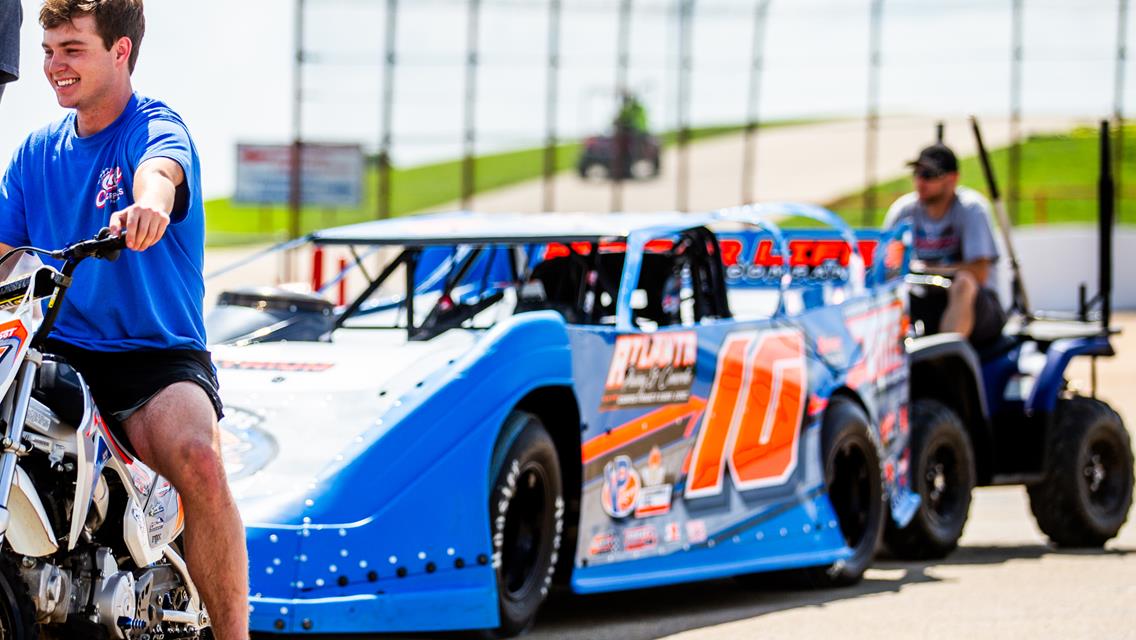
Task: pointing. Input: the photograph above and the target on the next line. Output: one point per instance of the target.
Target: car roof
(466, 227)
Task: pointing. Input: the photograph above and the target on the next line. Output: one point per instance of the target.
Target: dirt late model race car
(603, 401)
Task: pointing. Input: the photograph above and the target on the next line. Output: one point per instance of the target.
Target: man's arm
(980, 269)
(6, 268)
(155, 189)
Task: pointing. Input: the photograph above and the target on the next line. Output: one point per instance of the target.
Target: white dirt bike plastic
(82, 475)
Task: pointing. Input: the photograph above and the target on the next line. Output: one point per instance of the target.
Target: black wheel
(942, 473)
(856, 489)
(595, 171)
(17, 611)
(1087, 491)
(526, 518)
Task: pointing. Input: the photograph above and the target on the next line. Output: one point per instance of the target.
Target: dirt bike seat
(60, 389)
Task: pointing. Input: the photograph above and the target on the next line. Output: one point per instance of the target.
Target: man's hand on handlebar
(144, 226)
(921, 267)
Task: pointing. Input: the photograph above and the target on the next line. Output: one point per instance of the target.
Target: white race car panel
(313, 404)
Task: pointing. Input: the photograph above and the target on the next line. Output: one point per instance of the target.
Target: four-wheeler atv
(1004, 413)
(602, 157)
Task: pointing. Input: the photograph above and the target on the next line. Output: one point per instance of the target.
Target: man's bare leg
(176, 434)
(959, 315)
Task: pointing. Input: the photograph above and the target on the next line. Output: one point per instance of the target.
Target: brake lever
(113, 254)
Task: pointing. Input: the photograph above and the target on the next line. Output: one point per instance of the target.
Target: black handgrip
(103, 245)
(110, 247)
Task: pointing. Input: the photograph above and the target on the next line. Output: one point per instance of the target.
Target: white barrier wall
(1056, 259)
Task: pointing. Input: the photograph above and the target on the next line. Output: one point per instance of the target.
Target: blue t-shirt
(61, 188)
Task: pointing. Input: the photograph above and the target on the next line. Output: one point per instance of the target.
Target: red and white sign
(332, 174)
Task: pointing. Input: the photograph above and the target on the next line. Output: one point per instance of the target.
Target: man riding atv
(630, 152)
(993, 405)
(952, 238)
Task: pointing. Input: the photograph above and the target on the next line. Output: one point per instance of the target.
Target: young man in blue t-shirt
(134, 327)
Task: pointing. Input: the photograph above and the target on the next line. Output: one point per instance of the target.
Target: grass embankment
(1058, 181)
(412, 189)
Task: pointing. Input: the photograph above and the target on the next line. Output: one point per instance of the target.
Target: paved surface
(809, 163)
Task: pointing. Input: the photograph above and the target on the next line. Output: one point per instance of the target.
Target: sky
(226, 66)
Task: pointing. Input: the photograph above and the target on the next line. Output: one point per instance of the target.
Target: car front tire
(526, 519)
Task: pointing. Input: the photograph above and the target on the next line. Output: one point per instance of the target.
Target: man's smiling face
(78, 65)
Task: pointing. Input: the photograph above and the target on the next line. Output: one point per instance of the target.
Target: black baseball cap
(937, 158)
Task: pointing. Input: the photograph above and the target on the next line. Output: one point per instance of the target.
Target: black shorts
(122, 382)
(989, 317)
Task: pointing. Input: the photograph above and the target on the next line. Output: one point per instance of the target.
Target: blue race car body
(680, 363)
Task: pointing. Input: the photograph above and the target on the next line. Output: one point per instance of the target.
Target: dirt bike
(89, 535)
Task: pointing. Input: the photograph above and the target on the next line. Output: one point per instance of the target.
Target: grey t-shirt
(11, 14)
(962, 235)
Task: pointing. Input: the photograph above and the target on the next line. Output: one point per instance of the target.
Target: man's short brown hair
(113, 19)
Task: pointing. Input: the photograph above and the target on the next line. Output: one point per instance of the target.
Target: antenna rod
(1106, 205)
(1021, 303)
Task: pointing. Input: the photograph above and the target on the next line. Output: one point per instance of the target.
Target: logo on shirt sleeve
(110, 187)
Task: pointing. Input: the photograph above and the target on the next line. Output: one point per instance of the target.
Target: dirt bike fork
(11, 446)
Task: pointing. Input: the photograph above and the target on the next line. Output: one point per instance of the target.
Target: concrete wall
(1055, 259)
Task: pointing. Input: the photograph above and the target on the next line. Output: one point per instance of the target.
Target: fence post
(873, 121)
(682, 177)
(550, 106)
(295, 177)
(1014, 180)
(1118, 108)
(749, 159)
(622, 141)
(467, 182)
(387, 108)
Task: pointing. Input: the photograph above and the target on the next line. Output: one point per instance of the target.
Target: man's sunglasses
(925, 173)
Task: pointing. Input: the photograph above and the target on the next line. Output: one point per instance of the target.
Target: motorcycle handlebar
(103, 246)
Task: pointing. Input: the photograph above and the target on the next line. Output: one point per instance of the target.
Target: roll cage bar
(694, 244)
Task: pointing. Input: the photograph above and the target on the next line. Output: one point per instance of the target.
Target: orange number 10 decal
(753, 418)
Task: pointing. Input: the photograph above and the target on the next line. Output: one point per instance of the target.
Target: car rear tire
(943, 474)
(526, 519)
(855, 485)
(1084, 499)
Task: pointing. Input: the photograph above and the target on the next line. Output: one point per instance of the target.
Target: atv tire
(943, 474)
(1086, 493)
(526, 520)
(855, 483)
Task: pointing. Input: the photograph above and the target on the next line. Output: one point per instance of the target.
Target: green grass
(1058, 181)
(412, 189)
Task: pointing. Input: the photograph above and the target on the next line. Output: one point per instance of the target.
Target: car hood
(295, 409)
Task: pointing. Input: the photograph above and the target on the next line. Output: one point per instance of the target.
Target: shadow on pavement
(646, 614)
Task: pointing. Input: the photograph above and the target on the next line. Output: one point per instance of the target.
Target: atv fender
(946, 368)
(1052, 378)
